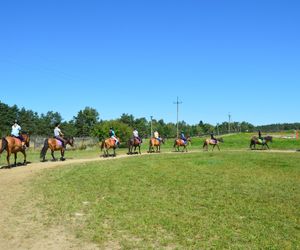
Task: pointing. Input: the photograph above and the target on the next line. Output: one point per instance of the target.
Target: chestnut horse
(134, 143)
(13, 145)
(254, 140)
(109, 144)
(180, 143)
(155, 143)
(55, 145)
(212, 142)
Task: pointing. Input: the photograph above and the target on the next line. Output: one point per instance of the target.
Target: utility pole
(229, 118)
(177, 103)
(151, 131)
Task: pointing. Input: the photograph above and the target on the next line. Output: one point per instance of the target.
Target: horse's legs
(218, 147)
(62, 153)
(213, 147)
(267, 145)
(52, 154)
(15, 159)
(139, 149)
(114, 151)
(24, 154)
(7, 157)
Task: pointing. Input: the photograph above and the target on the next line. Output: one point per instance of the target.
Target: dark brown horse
(134, 143)
(13, 145)
(55, 145)
(264, 142)
(212, 142)
(180, 143)
(155, 143)
(107, 144)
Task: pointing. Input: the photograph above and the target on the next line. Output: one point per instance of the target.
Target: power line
(177, 103)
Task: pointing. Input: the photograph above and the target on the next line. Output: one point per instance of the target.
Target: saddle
(213, 141)
(58, 142)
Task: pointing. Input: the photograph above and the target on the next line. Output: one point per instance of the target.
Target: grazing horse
(254, 140)
(134, 143)
(180, 143)
(13, 145)
(108, 144)
(212, 142)
(155, 143)
(55, 145)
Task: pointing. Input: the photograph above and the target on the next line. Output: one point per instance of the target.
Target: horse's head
(269, 138)
(220, 139)
(163, 140)
(70, 141)
(26, 138)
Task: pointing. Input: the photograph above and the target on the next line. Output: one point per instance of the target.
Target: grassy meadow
(227, 199)
(231, 142)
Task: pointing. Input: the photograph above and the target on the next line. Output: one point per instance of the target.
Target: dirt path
(18, 232)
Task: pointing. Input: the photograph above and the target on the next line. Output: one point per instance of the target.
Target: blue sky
(136, 57)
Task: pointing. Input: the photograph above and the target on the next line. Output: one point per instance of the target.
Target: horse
(155, 143)
(13, 145)
(134, 143)
(212, 142)
(107, 144)
(55, 145)
(180, 143)
(254, 140)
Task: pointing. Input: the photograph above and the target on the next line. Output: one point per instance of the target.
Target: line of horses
(14, 145)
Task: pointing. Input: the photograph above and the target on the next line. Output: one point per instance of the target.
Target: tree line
(87, 122)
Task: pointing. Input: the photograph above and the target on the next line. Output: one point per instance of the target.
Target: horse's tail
(175, 142)
(4, 145)
(102, 145)
(44, 149)
(205, 143)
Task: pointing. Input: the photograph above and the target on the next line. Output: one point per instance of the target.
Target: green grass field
(178, 201)
(231, 142)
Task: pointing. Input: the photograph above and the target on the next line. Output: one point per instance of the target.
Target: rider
(156, 136)
(59, 135)
(260, 137)
(112, 135)
(15, 132)
(212, 137)
(182, 137)
(135, 134)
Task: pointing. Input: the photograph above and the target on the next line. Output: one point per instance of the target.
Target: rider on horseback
(182, 137)
(58, 134)
(135, 134)
(156, 136)
(212, 137)
(112, 135)
(260, 138)
(15, 132)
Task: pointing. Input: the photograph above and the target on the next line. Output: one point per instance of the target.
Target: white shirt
(135, 133)
(57, 131)
(15, 130)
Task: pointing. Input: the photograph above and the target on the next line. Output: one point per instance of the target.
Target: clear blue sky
(136, 57)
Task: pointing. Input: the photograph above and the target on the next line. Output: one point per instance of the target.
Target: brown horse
(155, 143)
(254, 140)
(13, 145)
(180, 143)
(109, 144)
(55, 145)
(212, 142)
(134, 143)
